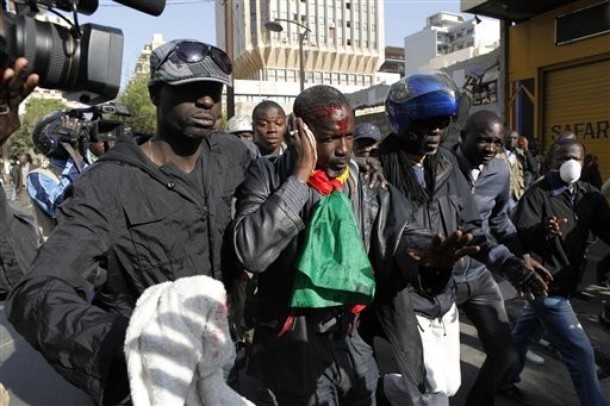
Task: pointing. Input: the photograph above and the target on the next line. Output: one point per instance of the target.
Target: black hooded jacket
(145, 227)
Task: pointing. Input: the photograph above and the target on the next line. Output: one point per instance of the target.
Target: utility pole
(229, 51)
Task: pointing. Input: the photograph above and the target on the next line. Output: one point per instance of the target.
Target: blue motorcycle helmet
(420, 96)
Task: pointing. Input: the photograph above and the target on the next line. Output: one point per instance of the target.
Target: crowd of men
(326, 234)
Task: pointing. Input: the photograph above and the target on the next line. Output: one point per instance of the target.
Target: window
(348, 6)
(584, 23)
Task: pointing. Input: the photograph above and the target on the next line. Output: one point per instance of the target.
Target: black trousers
(482, 302)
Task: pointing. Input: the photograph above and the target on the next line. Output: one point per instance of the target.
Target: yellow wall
(532, 44)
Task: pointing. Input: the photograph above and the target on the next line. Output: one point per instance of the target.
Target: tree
(143, 112)
(35, 109)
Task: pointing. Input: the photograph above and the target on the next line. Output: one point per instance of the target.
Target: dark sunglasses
(193, 52)
(430, 124)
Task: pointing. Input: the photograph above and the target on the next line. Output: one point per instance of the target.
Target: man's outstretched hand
(444, 253)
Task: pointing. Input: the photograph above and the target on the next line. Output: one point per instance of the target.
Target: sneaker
(533, 358)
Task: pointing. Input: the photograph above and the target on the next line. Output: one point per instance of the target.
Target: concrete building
(394, 60)
(343, 45)
(143, 62)
(447, 39)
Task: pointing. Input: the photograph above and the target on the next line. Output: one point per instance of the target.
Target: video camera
(54, 136)
(96, 124)
(84, 61)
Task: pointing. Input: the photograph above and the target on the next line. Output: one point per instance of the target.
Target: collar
(464, 162)
(556, 184)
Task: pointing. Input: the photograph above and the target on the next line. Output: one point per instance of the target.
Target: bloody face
(333, 127)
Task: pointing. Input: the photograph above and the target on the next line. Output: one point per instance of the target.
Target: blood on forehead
(337, 113)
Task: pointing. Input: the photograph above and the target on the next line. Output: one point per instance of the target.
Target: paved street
(31, 382)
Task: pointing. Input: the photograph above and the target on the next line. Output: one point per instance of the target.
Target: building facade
(448, 38)
(343, 44)
(143, 62)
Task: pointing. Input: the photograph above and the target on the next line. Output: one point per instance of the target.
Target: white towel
(176, 343)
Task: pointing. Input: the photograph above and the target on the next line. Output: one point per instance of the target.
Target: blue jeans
(555, 315)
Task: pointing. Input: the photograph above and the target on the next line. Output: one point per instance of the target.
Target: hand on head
(304, 143)
(16, 86)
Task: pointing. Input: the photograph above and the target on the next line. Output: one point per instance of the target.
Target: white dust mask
(569, 171)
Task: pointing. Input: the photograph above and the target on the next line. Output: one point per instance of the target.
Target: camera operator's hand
(304, 143)
(71, 129)
(15, 87)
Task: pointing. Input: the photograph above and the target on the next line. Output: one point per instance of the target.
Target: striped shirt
(46, 190)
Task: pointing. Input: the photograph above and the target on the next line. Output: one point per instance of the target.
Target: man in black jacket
(310, 352)
(554, 218)
(419, 108)
(147, 213)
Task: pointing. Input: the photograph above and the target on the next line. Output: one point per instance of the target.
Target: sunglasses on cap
(193, 52)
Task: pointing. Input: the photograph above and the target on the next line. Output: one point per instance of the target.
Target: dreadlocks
(399, 171)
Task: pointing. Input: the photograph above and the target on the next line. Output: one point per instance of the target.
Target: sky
(196, 19)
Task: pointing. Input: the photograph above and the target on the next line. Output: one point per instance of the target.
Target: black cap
(367, 130)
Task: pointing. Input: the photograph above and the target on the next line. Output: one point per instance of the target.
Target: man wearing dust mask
(553, 219)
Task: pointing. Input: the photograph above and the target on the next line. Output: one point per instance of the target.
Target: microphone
(152, 7)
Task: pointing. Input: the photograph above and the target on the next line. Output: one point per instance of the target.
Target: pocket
(157, 234)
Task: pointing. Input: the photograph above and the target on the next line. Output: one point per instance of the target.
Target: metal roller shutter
(578, 99)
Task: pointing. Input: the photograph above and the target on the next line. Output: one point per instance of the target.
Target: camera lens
(51, 50)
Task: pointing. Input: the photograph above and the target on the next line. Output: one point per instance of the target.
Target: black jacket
(563, 255)
(19, 241)
(142, 225)
(273, 209)
(445, 207)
